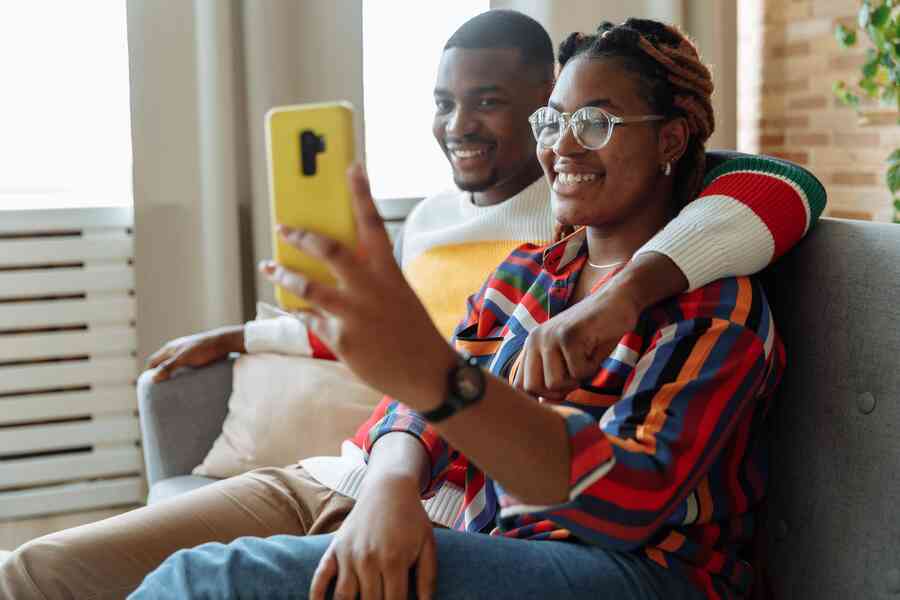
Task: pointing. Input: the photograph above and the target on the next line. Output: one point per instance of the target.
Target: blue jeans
(470, 566)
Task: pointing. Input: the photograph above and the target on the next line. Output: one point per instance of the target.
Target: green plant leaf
(843, 93)
(896, 207)
(862, 17)
(876, 35)
(869, 87)
(892, 78)
(894, 158)
(870, 68)
(880, 15)
(845, 37)
(892, 178)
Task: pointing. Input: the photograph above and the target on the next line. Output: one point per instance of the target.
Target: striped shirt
(667, 452)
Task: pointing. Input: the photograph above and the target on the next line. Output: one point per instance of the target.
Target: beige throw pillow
(286, 408)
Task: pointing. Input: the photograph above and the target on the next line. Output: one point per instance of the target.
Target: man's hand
(568, 348)
(196, 350)
(571, 346)
(385, 535)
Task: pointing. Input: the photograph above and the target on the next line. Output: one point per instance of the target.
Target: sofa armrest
(182, 417)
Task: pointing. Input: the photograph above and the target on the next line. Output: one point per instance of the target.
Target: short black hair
(503, 28)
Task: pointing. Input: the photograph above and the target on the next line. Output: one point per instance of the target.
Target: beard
(481, 185)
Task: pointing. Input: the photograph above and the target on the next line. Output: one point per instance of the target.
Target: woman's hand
(196, 350)
(372, 320)
(385, 535)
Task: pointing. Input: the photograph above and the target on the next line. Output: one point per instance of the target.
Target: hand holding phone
(310, 149)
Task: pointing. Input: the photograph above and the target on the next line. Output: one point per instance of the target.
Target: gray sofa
(829, 530)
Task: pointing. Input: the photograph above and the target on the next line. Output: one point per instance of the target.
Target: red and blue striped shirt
(667, 440)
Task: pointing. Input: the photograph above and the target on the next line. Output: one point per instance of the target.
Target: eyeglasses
(592, 126)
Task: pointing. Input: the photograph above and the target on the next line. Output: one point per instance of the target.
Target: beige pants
(110, 558)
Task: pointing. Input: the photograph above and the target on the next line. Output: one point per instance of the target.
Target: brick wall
(789, 59)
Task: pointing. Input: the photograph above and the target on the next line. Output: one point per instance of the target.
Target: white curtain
(203, 74)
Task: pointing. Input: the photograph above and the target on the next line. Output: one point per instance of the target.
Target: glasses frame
(570, 119)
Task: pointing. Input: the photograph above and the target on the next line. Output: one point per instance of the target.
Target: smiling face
(483, 98)
(605, 186)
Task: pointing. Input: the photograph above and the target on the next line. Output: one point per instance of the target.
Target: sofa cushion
(286, 408)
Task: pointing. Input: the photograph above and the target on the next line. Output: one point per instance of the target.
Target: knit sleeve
(751, 211)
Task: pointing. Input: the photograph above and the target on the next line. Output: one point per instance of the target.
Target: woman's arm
(751, 211)
(501, 434)
(682, 401)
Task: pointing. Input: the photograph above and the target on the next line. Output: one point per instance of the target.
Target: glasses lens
(592, 127)
(546, 125)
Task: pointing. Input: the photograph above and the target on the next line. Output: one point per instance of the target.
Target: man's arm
(751, 211)
(281, 335)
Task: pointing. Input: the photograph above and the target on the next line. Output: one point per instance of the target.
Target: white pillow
(286, 408)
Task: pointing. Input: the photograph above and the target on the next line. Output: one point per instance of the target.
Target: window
(402, 47)
(64, 111)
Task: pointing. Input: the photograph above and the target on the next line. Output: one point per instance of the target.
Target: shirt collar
(559, 255)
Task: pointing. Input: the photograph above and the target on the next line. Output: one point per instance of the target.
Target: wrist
(398, 459)
(429, 388)
(392, 479)
(647, 280)
(232, 339)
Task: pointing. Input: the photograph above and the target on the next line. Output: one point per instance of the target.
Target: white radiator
(68, 427)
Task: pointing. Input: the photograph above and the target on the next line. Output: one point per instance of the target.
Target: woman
(640, 484)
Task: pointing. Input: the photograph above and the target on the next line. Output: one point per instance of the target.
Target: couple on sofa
(652, 357)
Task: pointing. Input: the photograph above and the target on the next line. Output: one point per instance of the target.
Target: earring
(667, 170)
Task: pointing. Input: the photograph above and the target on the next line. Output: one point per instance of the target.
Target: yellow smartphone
(310, 148)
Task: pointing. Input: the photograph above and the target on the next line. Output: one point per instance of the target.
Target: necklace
(615, 264)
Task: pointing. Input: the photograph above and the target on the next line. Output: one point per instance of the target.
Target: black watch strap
(457, 398)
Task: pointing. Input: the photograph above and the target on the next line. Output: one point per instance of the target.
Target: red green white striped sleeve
(751, 211)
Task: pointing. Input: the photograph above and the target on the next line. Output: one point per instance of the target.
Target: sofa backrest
(832, 530)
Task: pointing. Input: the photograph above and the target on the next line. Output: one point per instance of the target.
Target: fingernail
(292, 281)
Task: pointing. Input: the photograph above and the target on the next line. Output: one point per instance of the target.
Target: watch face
(469, 383)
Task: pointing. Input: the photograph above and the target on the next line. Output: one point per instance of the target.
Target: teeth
(468, 153)
(575, 178)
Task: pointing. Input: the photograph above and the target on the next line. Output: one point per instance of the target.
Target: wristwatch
(465, 387)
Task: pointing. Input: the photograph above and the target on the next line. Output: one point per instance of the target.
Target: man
(495, 71)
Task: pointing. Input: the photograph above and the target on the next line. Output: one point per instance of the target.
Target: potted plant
(880, 79)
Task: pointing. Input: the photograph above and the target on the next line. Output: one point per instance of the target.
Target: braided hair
(673, 79)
